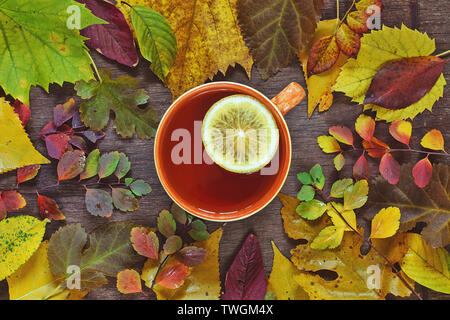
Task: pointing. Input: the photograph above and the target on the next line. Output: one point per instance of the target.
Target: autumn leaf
(57, 144)
(49, 209)
(145, 242)
(390, 168)
(328, 144)
(34, 281)
(426, 265)
(23, 111)
(39, 55)
(385, 223)
(123, 167)
(347, 40)
(280, 279)
(312, 209)
(10, 201)
(71, 164)
(107, 164)
(120, 96)
(365, 127)
(172, 275)
(339, 186)
(20, 238)
(401, 130)
(375, 148)
(245, 279)
(342, 134)
(377, 49)
(64, 112)
(208, 37)
(361, 168)
(355, 196)
(191, 256)
(16, 148)
(124, 200)
(140, 187)
(328, 238)
(166, 223)
(323, 55)
(178, 213)
(429, 204)
(422, 172)
(27, 173)
(129, 281)
(433, 140)
(320, 92)
(339, 161)
(91, 167)
(113, 40)
(172, 244)
(348, 215)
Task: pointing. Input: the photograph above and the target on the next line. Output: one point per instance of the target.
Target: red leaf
(27, 173)
(72, 164)
(64, 112)
(145, 242)
(172, 276)
(401, 130)
(191, 256)
(57, 144)
(23, 111)
(422, 172)
(9, 201)
(400, 83)
(113, 40)
(361, 169)
(342, 134)
(390, 168)
(348, 41)
(246, 279)
(129, 281)
(49, 128)
(79, 142)
(323, 55)
(357, 21)
(365, 127)
(375, 148)
(48, 208)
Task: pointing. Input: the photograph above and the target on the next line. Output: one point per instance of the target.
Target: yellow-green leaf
(349, 216)
(329, 238)
(20, 237)
(385, 223)
(328, 144)
(428, 266)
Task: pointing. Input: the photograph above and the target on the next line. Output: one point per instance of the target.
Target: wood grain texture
(427, 16)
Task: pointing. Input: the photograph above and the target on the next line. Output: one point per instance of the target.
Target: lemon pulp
(240, 134)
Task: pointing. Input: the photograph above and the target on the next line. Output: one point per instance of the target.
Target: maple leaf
(16, 149)
(377, 49)
(208, 37)
(429, 204)
(36, 54)
(123, 98)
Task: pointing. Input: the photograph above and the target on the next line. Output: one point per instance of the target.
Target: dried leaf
(129, 281)
(107, 164)
(10, 201)
(323, 55)
(98, 202)
(64, 112)
(349, 216)
(57, 144)
(390, 168)
(375, 148)
(385, 223)
(328, 238)
(191, 255)
(94, 136)
(348, 41)
(71, 164)
(145, 242)
(401, 131)
(172, 275)
(422, 172)
(357, 21)
(433, 140)
(27, 173)
(178, 213)
(245, 278)
(49, 209)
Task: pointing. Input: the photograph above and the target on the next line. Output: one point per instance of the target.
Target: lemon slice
(240, 134)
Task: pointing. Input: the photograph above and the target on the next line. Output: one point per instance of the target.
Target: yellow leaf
(203, 281)
(328, 144)
(426, 265)
(349, 216)
(377, 48)
(20, 237)
(208, 39)
(280, 280)
(329, 238)
(433, 140)
(320, 85)
(16, 150)
(34, 280)
(385, 223)
(354, 270)
(295, 226)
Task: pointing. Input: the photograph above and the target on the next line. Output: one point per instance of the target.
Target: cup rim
(224, 218)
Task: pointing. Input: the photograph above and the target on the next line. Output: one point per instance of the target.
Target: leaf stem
(445, 154)
(443, 53)
(345, 16)
(95, 68)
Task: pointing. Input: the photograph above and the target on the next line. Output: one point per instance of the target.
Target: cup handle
(289, 97)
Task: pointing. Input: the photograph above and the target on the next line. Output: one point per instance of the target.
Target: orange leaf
(401, 131)
(27, 173)
(129, 281)
(9, 201)
(342, 134)
(145, 242)
(48, 208)
(361, 168)
(357, 21)
(422, 172)
(365, 127)
(375, 148)
(433, 140)
(348, 40)
(390, 168)
(323, 55)
(71, 164)
(172, 276)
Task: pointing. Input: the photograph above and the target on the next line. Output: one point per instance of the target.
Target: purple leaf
(93, 136)
(76, 121)
(64, 112)
(57, 144)
(246, 279)
(79, 143)
(113, 40)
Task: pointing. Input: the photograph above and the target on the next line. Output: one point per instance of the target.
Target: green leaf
(123, 98)
(305, 178)
(123, 167)
(98, 202)
(128, 181)
(317, 176)
(172, 244)
(199, 235)
(178, 213)
(339, 162)
(156, 39)
(91, 168)
(306, 193)
(124, 199)
(198, 225)
(312, 209)
(355, 196)
(140, 188)
(39, 48)
(20, 237)
(107, 164)
(166, 223)
(339, 186)
(329, 238)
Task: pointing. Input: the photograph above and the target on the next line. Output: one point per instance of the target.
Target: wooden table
(427, 16)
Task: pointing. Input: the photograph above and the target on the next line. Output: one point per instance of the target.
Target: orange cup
(278, 106)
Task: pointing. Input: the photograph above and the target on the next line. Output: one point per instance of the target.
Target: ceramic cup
(182, 194)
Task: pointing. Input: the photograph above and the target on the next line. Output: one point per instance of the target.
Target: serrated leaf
(91, 168)
(23, 111)
(199, 235)
(365, 127)
(16, 149)
(355, 196)
(305, 178)
(124, 199)
(375, 148)
(348, 41)
(339, 186)
(107, 164)
(98, 202)
(64, 112)
(123, 167)
(10, 200)
(20, 237)
(140, 187)
(120, 96)
(128, 181)
(306, 193)
(145, 242)
(323, 55)
(348, 215)
(342, 134)
(71, 164)
(429, 204)
(172, 275)
(312, 209)
(385, 223)
(156, 39)
(172, 244)
(328, 238)
(38, 55)
(57, 144)
(328, 144)
(129, 281)
(166, 223)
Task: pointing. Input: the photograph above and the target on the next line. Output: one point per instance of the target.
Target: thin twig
(443, 53)
(158, 270)
(445, 154)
